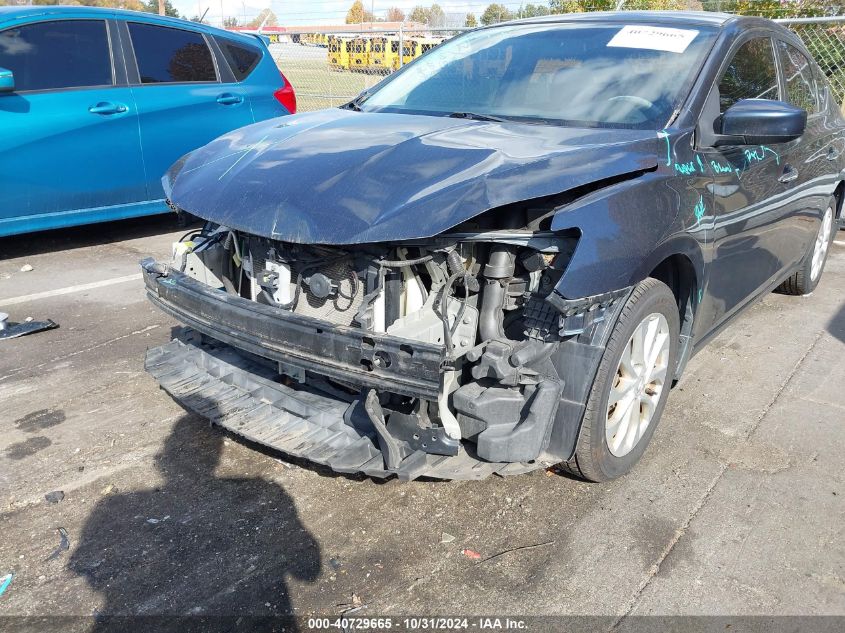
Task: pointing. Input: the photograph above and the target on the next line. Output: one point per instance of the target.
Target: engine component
(321, 286)
(333, 292)
(425, 325)
(495, 416)
(499, 268)
(281, 288)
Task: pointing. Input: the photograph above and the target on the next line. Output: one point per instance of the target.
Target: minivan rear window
(166, 55)
(57, 54)
(242, 58)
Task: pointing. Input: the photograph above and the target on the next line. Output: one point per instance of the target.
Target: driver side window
(752, 74)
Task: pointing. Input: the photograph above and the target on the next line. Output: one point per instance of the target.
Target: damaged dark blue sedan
(503, 256)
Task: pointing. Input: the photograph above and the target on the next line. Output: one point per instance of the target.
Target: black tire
(593, 460)
(801, 282)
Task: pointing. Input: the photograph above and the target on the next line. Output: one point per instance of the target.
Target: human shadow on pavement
(198, 552)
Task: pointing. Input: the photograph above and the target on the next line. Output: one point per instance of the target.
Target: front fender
(626, 230)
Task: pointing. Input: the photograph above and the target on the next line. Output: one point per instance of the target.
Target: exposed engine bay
(472, 304)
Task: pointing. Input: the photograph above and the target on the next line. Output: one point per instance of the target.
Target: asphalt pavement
(738, 507)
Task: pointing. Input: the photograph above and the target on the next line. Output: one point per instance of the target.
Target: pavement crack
(723, 466)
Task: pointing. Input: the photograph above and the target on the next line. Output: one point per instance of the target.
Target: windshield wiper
(474, 116)
(355, 104)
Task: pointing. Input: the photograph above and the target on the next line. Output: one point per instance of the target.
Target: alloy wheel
(639, 381)
(822, 244)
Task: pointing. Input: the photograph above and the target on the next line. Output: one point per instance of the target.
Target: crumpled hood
(343, 177)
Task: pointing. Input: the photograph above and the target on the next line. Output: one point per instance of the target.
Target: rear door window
(167, 55)
(798, 78)
(57, 54)
(752, 74)
(242, 58)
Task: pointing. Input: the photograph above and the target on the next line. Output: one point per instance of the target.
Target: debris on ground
(335, 563)
(64, 544)
(557, 469)
(26, 268)
(352, 607)
(55, 496)
(471, 554)
(445, 537)
(519, 549)
(10, 329)
(108, 490)
(153, 520)
(5, 581)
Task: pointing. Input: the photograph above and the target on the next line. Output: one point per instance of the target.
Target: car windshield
(627, 76)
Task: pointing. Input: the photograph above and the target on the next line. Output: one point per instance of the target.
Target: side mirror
(7, 80)
(760, 121)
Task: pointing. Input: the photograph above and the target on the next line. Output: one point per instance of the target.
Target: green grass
(317, 86)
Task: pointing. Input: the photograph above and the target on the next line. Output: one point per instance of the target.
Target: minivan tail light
(285, 95)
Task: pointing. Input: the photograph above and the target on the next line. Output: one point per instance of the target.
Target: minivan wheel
(631, 385)
(806, 278)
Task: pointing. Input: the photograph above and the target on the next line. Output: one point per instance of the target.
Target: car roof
(652, 17)
(8, 13)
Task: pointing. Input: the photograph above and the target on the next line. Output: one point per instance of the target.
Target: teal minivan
(96, 104)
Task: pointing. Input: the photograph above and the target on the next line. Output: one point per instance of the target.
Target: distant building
(407, 27)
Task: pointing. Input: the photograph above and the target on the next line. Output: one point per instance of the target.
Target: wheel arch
(838, 194)
(678, 272)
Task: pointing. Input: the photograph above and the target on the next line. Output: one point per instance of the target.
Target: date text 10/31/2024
(416, 624)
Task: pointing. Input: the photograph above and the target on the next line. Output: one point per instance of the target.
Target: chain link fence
(825, 39)
(328, 68)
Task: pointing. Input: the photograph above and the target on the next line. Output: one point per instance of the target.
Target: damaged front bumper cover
(243, 395)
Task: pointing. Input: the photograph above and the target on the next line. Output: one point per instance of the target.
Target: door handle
(789, 174)
(107, 107)
(227, 98)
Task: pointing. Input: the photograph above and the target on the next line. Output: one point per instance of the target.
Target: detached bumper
(240, 395)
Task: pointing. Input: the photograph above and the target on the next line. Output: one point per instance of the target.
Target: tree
(266, 17)
(495, 13)
(358, 14)
(151, 6)
(436, 16)
(419, 14)
(230, 22)
(471, 22)
(534, 10)
(395, 14)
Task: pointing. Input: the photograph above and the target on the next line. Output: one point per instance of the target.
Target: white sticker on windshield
(653, 38)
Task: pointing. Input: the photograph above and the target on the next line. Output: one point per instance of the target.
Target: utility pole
(161, 7)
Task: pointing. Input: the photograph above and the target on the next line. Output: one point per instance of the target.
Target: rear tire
(807, 277)
(615, 433)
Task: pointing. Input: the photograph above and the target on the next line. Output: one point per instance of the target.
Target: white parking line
(69, 290)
